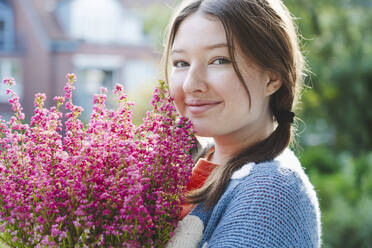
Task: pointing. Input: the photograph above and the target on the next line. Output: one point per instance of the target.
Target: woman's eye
(180, 64)
(220, 61)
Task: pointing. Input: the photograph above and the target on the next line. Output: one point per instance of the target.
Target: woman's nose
(195, 80)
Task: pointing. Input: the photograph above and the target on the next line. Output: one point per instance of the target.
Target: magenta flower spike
(104, 184)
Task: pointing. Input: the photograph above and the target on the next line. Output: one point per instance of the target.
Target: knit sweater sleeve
(268, 210)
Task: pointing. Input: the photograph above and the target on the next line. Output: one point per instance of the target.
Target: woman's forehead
(200, 29)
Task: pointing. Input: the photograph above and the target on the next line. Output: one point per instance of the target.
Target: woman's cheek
(176, 92)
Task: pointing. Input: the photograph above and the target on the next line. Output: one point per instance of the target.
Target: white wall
(101, 21)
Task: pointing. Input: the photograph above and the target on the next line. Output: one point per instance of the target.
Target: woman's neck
(228, 146)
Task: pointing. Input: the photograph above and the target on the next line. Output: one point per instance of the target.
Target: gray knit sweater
(270, 204)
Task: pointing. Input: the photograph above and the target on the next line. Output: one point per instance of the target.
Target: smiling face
(206, 88)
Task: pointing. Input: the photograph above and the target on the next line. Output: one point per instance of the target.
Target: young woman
(235, 69)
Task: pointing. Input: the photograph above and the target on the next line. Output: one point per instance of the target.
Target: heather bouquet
(104, 184)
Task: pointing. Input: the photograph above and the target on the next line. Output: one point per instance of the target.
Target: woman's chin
(203, 132)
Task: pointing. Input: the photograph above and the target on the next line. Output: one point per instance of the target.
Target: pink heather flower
(76, 224)
(79, 212)
(71, 77)
(9, 81)
(60, 219)
(116, 183)
(103, 90)
(59, 99)
(14, 239)
(55, 230)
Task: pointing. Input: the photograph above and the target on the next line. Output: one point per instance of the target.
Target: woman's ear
(273, 85)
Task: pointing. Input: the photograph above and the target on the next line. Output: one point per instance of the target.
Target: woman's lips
(199, 108)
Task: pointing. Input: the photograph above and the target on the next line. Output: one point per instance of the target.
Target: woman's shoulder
(281, 179)
(270, 204)
(285, 168)
(277, 194)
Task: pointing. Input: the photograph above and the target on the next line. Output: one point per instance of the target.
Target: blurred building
(102, 41)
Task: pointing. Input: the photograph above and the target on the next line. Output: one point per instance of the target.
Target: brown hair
(265, 33)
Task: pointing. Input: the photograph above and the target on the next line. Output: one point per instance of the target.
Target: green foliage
(156, 18)
(344, 190)
(337, 139)
(338, 44)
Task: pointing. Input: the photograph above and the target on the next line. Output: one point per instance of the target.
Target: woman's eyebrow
(211, 47)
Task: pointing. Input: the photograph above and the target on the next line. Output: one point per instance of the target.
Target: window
(89, 82)
(100, 21)
(6, 28)
(138, 73)
(2, 35)
(10, 68)
(94, 72)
